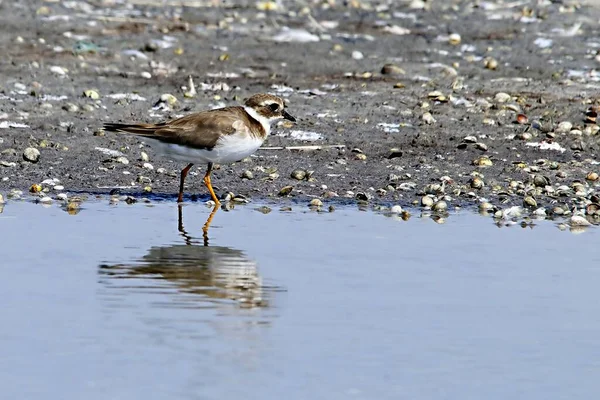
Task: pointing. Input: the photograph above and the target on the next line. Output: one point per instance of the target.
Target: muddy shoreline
(471, 92)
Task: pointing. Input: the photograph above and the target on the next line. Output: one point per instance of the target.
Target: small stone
(264, 209)
(91, 94)
(62, 196)
(144, 157)
(427, 201)
(55, 69)
(122, 160)
(578, 220)
(440, 206)
(470, 139)
(71, 107)
(362, 196)
(486, 207)
(247, 174)
(316, 203)
(540, 181)
(481, 146)
(46, 200)
(529, 201)
(396, 209)
(428, 118)
(483, 161)
(454, 39)
(502, 97)
(392, 69)
(59, 188)
(31, 154)
(168, 98)
(357, 55)
(147, 189)
(490, 63)
(2, 201)
(477, 183)
(524, 136)
(299, 174)
(285, 191)
(564, 127)
(360, 156)
(146, 75)
(592, 176)
(73, 207)
(522, 119)
(148, 166)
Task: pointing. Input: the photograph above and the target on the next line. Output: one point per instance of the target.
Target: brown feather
(199, 130)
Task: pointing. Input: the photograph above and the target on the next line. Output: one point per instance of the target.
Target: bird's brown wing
(199, 130)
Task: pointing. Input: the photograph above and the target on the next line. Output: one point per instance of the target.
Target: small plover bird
(221, 136)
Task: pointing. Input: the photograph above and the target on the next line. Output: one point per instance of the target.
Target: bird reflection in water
(216, 272)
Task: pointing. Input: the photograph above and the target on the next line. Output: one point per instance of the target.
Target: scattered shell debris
(493, 106)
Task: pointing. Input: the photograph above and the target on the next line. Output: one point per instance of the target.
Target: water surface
(116, 303)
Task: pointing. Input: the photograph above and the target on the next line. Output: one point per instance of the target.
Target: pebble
(122, 160)
(286, 190)
(62, 196)
(564, 127)
(55, 69)
(362, 196)
(529, 201)
(2, 201)
(299, 174)
(392, 69)
(247, 174)
(426, 201)
(396, 209)
(148, 166)
(440, 206)
(454, 39)
(483, 162)
(486, 207)
(71, 107)
(578, 220)
(31, 154)
(357, 55)
(316, 203)
(502, 97)
(144, 157)
(46, 200)
(428, 118)
(91, 94)
(59, 188)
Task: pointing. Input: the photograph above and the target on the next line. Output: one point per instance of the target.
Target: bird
(223, 135)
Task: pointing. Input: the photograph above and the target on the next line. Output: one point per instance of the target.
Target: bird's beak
(287, 116)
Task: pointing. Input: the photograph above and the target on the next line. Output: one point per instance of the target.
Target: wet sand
(445, 122)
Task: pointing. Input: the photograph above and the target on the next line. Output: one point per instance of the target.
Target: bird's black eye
(274, 107)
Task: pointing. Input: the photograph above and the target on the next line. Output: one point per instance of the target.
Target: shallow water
(116, 303)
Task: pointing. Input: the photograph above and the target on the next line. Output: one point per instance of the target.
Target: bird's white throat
(264, 121)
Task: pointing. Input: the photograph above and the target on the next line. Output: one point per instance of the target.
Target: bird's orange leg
(207, 224)
(184, 173)
(209, 185)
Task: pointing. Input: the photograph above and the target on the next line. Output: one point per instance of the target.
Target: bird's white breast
(228, 149)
